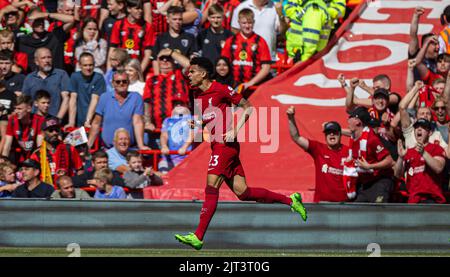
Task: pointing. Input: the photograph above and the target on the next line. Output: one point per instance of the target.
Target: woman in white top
(89, 42)
(133, 69)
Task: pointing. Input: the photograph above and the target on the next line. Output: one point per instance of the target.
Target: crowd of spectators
(399, 146)
(117, 69)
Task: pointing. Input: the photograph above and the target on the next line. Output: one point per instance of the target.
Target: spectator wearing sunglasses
(441, 117)
(160, 89)
(119, 109)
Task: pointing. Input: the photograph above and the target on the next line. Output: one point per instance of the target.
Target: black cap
(51, 122)
(381, 92)
(331, 126)
(31, 163)
(422, 122)
(362, 113)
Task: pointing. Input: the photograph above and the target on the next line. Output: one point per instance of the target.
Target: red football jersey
(159, 91)
(159, 21)
(376, 152)
(329, 165)
(246, 55)
(215, 107)
(72, 163)
(134, 37)
(431, 77)
(90, 8)
(24, 136)
(421, 180)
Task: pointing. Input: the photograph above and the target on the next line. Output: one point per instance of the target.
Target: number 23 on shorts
(214, 160)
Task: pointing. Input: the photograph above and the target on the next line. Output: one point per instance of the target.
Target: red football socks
(208, 210)
(264, 196)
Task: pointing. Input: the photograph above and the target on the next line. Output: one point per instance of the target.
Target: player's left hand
(362, 163)
(230, 136)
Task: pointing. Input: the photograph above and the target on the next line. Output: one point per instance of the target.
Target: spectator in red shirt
(59, 158)
(23, 131)
(158, 20)
(90, 8)
(423, 166)
(133, 34)
(328, 159)
(377, 106)
(248, 53)
(372, 160)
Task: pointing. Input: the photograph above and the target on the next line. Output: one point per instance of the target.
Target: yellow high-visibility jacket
(309, 26)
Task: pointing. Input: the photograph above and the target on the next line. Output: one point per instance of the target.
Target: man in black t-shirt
(41, 38)
(33, 187)
(175, 39)
(13, 82)
(114, 10)
(212, 40)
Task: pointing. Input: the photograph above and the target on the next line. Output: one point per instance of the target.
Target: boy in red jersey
(23, 131)
(215, 100)
(248, 52)
(133, 34)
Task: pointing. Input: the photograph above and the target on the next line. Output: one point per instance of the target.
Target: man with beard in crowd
(56, 157)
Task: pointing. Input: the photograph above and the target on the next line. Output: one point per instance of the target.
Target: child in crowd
(42, 103)
(137, 176)
(7, 41)
(105, 189)
(8, 182)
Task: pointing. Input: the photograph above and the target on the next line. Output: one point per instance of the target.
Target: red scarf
(350, 174)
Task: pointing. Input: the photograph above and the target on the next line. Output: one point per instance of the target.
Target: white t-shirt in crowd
(267, 23)
(138, 87)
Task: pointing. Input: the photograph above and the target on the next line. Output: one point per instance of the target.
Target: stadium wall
(151, 224)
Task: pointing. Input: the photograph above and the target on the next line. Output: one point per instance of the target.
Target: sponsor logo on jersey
(129, 43)
(243, 55)
(379, 149)
(243, 63)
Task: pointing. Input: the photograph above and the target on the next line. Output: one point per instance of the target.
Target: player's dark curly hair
(204, 64)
